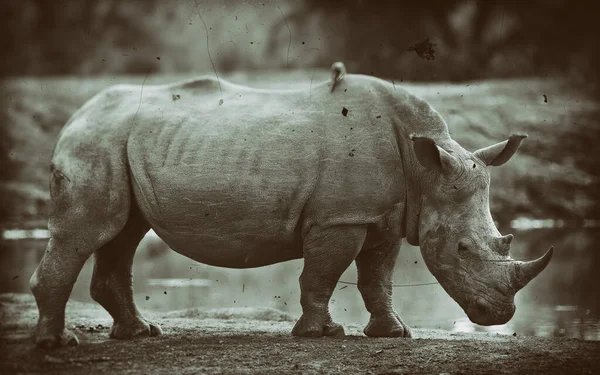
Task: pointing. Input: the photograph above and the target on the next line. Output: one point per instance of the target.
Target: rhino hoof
(51, 341)
(306, 328)
(138, 329)
(333, 329)
(387, 327)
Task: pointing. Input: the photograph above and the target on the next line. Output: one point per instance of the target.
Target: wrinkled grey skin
(458, 239)
(269, 176)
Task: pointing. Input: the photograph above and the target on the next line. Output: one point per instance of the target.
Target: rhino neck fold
(412, 208)
(413, 197)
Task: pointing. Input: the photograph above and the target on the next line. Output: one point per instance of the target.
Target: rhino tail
(338, 72)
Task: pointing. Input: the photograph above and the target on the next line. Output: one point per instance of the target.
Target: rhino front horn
(527, 271)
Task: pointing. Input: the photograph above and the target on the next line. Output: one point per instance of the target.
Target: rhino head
(459, 241)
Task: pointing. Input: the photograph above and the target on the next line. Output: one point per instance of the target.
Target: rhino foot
(388, 326)
(51, 341)
(139, 328)
(312, 328)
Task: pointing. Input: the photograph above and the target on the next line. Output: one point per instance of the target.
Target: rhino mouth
(483, 312)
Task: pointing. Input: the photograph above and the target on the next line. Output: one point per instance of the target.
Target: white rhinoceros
(239, 177)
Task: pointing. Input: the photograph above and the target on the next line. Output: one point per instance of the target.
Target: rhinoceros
(240, 177)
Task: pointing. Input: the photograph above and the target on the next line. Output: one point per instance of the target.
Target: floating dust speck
(424, 49)
(345, 111)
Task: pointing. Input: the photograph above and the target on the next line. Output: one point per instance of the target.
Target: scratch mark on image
(290, 41)
(313, 72)
(208, 50)
(140, 103)
(502, 22)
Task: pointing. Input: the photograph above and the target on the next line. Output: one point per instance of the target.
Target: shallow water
(563, 301)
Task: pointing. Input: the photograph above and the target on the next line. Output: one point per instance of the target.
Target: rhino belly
(235, 218)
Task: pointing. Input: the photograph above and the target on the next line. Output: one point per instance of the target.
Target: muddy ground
(258, 341)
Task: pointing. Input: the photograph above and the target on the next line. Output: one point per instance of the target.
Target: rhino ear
(431, 156)
(500, 153)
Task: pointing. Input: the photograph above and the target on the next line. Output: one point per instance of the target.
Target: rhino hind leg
(84, 215)
(327, 254)
(112, 280)
(375, 272)
(51, 285)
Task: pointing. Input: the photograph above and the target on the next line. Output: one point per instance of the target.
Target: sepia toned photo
(299, 187)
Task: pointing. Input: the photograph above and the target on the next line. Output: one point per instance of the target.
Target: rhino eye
(463, 251)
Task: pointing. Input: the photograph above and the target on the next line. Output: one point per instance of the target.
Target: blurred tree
(476, 38)
(47, 37)
(374, 38)
(472, 38)
(9, 171)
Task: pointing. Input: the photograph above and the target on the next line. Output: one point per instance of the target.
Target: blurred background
(472, 39)
(490, 68)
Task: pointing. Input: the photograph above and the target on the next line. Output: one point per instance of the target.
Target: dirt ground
(258, 341)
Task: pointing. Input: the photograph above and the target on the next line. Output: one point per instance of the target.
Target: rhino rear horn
(527, 271)
(500, 153)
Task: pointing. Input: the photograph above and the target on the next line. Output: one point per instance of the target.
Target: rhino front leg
(327, 254)
(375, 272)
